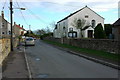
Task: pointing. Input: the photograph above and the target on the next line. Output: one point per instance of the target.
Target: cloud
(102, 5)
(70, 5)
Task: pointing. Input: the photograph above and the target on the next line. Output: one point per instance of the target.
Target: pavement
(14, 66)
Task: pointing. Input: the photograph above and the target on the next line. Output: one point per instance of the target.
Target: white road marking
(29, 71)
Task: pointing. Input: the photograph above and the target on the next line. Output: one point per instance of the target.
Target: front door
(90, 33)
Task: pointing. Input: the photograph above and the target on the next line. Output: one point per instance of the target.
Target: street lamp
(20, 8)
(11, 19)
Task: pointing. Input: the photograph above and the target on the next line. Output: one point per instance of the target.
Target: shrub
(108, 30)
(99, 32)
(46, 35)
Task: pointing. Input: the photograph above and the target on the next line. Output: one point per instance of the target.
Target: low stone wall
(5, 47)
(107, 45)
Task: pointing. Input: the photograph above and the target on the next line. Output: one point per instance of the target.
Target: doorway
(90, 33)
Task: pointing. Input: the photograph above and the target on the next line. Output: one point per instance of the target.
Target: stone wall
(107, 45)
(5, 47)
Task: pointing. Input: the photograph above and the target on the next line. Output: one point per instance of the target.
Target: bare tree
(52, 25)
(79, 24)
(40, 31)
(47, 29)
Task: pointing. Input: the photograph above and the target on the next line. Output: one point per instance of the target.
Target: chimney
(2, 13)
(19, 24)
(22, 26)
(14, 23)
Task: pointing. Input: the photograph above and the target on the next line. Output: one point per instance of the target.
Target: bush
(108, 30)
(46, 35)
(99, 32)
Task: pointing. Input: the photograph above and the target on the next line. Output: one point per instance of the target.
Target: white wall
(91, 14)
(9, 28)
(86, 32)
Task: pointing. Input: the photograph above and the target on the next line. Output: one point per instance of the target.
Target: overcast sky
(41, 13)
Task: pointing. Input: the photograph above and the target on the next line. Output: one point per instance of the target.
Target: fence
(107, 45)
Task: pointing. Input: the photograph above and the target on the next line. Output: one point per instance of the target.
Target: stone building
(116, 30)
(3, 26)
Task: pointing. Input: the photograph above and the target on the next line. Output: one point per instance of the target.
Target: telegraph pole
(29, 30)
(11, 18)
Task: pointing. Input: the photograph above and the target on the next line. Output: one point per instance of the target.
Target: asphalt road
(46, 61)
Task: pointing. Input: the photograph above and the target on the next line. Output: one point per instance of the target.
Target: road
(46, 61)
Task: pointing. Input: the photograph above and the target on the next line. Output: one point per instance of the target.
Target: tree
(99, 32)
(40, 32)
(47, 30)
(52, 25)
(108, 29)
(79, 24)
(29, 34)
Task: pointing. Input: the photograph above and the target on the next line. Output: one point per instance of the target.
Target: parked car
(34, 38)
(29, 41)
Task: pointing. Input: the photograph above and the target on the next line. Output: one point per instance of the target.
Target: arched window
(93, 23)
(70, 29)
(79, 22)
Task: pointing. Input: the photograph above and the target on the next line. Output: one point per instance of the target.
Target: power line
(4, 5)
(75, 6)
(22, 14)
(33, 14)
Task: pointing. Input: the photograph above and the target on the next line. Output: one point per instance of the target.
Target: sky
(40, 14)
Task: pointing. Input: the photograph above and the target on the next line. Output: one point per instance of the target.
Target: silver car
(29, 41)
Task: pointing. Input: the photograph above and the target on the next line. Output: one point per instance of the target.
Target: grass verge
(102, 54)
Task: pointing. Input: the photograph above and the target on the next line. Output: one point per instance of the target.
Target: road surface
(46, 61)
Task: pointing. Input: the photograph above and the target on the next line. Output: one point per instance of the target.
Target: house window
(2, 24)
(72, 34)
(86, 16)
(64, 28)
(9, 32)
(93, 23)
(70, 29)
(3, 32)
(78, 22)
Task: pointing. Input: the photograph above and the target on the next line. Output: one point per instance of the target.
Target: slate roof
(117, 23)
(55, 26)
(86, 27)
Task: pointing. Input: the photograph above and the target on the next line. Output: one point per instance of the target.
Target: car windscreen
(29, 39)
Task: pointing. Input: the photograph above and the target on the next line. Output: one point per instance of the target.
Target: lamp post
(29, 30)
(11, 20)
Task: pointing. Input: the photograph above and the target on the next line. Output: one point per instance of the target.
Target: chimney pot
(2, 13)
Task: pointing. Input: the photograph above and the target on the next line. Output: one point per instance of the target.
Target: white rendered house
(65, 26)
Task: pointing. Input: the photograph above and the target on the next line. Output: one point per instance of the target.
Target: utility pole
(29, 30)
(11, 18)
